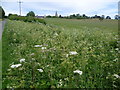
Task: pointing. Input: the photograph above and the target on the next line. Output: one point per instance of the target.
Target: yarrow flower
(40, 70)
(38, 46)
(78, 71)
(43, 48)
(22, 60)
(73, 53)
(16, 65)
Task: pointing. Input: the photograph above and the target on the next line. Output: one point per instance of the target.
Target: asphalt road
(2, 23)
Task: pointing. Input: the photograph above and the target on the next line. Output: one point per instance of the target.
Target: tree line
(78, 16)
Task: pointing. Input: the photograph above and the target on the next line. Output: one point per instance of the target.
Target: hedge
(27, 19)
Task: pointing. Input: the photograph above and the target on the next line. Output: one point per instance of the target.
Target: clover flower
(78, 71)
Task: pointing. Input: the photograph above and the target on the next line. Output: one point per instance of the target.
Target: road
(2, 23)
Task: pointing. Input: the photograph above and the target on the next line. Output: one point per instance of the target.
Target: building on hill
(56, 14)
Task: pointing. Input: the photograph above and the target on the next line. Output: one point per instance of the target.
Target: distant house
(40, 16)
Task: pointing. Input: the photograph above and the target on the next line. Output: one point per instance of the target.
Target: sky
(63, 7)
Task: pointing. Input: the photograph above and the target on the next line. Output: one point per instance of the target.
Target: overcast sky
(63, 7)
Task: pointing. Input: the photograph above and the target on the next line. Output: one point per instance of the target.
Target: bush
(27, 19)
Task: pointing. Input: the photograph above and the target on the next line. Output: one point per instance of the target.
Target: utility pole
(20, 6)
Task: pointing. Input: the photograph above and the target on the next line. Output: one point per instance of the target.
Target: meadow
(64, 53)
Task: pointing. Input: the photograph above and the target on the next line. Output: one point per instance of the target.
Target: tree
(78, 15)
(31, 13)
(12, 15)
(84, 15)
(117, 17)
(60, 16)
(2, 12)
(9, 14)
(103, 16)
(48, 16)
(108, 17)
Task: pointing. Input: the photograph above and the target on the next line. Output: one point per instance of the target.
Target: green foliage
(2, 13)
(97, 55)
(31, 13)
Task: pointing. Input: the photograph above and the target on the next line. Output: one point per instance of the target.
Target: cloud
(63, 1)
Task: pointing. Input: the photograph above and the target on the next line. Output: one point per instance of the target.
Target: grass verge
(60, 57)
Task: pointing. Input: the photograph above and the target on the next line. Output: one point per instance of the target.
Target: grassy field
(62, 54)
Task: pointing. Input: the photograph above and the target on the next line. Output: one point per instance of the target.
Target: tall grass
(0, 64)
(54, 52)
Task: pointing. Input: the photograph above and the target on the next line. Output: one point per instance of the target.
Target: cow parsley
(22, 60)
(73, 53)
(38, 46)
(117, 76)
(40, 70)
(16, 65)
(78, 71)
(43, 48)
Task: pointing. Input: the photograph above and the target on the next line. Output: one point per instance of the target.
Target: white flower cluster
(22, 60)
(73, 53)
(117, 76)
(43, 48)
(38, 46)
(16, 65)
(40, 70)
(78, 71)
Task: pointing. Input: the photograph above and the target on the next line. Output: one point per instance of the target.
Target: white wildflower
(40, 70)
(67, 55)
(43, 48)
(60, 83)
(33, 59)
(115, 59)
(73, 53)
(56, 34)
(78, 71)
(47, 65)
(22, 60)
(117, 49)
(38, 46)
(67, 79)
(117, 76)
(8, 69)
(16, 65)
